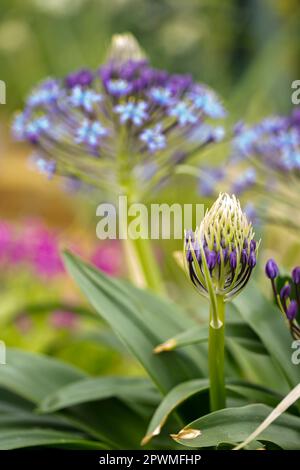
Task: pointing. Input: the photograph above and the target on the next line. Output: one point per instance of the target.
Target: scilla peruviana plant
(122, 129)
(220, 256)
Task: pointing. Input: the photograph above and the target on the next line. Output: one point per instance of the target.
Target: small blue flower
(46, 167)
(19, 127)
(161, 96)
(244, 142)
(118, 87)
(34, 129)
(46, 94)
(206, 101)
(84, 98)
(131, 111)
(90, 133)
(154, 138)
(245, 181)
(183, 113)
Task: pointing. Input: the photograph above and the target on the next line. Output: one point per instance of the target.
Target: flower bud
(292, 310)
(285, 291)
(296, 275)
(271, 269)
(227, 239)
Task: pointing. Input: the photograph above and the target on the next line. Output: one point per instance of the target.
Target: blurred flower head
(274, 141)
(86, 123)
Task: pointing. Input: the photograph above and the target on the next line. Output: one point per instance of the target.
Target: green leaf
(32, 376)
(287, 401)
(142, 321)
(171, 401)
(20, 438)
(267, 322)
(233, 425)
(181, 393)
(86, 390)
(199, 334)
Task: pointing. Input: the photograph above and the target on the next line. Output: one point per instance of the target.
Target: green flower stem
(142, 265)
(216, 344)
(149, 266)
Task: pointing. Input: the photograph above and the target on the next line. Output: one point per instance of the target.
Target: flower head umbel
(85, 121)
(287, 296)
(221, 253)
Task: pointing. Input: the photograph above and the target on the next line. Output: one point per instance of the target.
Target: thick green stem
(142, 264)
(149, 265)
(216, 359)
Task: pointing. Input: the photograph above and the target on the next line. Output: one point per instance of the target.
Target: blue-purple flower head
(126, 106)
(274, 141)
(287, 296)
(223, 246)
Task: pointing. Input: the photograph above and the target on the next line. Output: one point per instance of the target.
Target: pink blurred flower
(62, 319)
(107, 257)
(5, 239)
(43, 251)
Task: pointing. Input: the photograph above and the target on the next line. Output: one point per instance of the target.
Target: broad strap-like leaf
(181, 393)
(171, 401)
(141, 323)
(233, 425)
(267, 322)
(20, 438)
(33, 376)
(100, 388)
(288, 401)
(199, 334)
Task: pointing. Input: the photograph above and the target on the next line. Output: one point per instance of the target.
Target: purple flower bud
(211, 259)
(83, 77)
(252, 259)
(189, 256)
(244, 256)
(232, 259)
(245, 245)
(225, 255)
(285, 291)
(292, 310)
(296, 275)
(271, 269)
(253, 245)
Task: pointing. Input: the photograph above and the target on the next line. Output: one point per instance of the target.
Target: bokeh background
(248, 51)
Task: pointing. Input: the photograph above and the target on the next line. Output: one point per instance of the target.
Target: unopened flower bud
(271, 269)
(292, 310)
(296, 275)
(227, 239)
(285, 291)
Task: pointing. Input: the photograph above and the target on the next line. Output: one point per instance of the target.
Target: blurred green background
(232, 45)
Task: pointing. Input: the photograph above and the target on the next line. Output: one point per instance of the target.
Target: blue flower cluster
(275, 141)
(260, 156)
(125, 106)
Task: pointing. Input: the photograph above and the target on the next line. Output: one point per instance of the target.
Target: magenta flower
(61, 319)
(107, 257)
